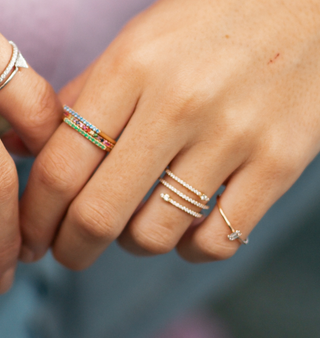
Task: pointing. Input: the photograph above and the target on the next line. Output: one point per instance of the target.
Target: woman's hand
(224, 91)
(30, 105)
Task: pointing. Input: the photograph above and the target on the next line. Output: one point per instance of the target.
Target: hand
(224, 91)
(29, 103)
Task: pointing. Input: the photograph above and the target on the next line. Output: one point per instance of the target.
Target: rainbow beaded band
(88, 130)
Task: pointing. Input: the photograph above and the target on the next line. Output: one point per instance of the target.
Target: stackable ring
(202, 196)
(235, 233)
(88, 130)
(182, 195)
(167, 198)
(17, 61)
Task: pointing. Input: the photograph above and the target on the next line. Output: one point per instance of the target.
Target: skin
(34, 115)
(223, 91)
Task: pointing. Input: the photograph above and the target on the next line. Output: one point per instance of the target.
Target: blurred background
(269, 288)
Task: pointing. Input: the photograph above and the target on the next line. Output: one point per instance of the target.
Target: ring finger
(158, 226)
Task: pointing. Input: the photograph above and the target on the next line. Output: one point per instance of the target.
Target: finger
(6, 280)
(69, 160)
(14, 144)
(158, 227)
(100, 212)
(9, 228)
(29, 103)
(247, 197)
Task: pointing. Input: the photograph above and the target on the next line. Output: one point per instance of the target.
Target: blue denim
(130, 297)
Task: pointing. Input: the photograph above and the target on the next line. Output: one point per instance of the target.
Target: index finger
(29, 103)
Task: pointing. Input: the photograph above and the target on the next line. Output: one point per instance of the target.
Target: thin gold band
(235, 233)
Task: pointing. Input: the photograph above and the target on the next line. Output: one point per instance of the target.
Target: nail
(26, 255)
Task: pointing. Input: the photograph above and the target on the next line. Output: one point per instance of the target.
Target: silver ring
(17, 61)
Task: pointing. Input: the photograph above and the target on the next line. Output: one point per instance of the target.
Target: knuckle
(217, 248)
(129, 61)
(60, 257)
(154, 243)
(41, 107)
(8, 177)
(54, 171)
(282, 164)
(154, 237)
(95, 221)
(9, 252)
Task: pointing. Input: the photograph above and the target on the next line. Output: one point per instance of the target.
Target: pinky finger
(248, 196)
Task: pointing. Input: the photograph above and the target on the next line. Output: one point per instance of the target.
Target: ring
(167, 198)
(202, 196)
(235, 233)
(17, 61)
(87, 130)
(182, 195)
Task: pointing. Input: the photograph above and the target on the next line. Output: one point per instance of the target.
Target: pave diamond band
(202, 196)
(88, 130)
(236, 234)
(182, 195)
(167, 198)
(17, 61)
(185, 197)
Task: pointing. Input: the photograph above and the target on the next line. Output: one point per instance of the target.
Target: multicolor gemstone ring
(87, 130)
(236, 234)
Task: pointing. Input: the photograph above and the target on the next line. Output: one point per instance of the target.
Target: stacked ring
(202, 196)
(88, 130)
(167, 198)
(236, 234)
(17, 61)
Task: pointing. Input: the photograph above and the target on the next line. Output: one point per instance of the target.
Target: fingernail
(26, 255)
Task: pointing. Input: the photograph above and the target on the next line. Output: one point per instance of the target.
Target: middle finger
(68, 160)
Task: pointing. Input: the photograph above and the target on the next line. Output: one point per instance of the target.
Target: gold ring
(167, 198)
(88, 130)
(235, 233)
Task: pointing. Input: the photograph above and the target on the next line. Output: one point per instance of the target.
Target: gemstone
(235, 235)
(166, 197)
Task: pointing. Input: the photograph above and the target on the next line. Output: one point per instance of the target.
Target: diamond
(235, 235)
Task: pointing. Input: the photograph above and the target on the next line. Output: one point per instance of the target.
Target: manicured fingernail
(26, 255)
